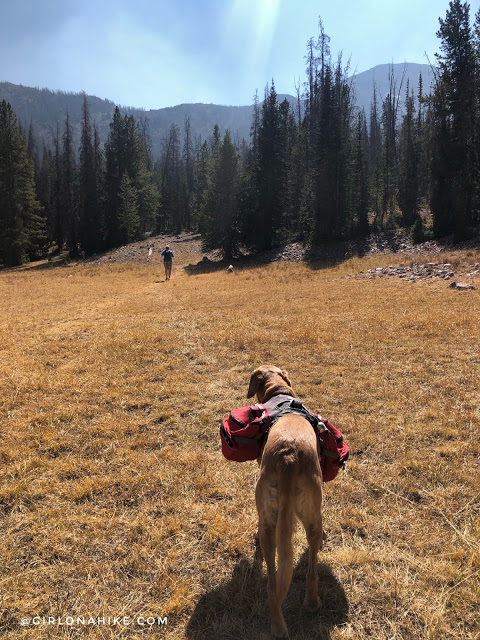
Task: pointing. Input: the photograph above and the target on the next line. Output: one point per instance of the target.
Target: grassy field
(114, 497)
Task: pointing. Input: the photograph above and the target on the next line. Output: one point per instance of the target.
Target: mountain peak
(44, 108)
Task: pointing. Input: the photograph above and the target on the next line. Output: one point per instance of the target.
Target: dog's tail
(285, 525)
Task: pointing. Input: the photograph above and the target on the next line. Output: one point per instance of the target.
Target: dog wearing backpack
(289, 486)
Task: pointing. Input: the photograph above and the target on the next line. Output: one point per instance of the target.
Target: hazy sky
(159, 53)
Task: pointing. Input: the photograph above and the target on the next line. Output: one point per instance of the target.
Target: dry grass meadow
(114, 497)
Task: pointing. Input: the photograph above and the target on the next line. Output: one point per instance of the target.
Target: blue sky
(159, 53)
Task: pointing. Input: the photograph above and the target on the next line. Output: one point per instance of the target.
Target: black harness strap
(289, 404)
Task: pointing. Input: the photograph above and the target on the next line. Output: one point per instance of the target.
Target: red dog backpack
(244, 432)
(334, 453)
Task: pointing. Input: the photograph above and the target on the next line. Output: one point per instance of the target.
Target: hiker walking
(150, 251)
(168, 256)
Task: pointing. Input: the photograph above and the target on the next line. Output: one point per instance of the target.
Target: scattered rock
(461, 285)
(188, 249)
(429, 270)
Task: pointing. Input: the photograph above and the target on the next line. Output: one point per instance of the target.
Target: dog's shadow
(238, 609)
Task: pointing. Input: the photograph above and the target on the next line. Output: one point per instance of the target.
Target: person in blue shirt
(168, 256)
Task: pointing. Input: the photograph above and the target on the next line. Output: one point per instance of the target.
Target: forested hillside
(43, 108)
(315, 168)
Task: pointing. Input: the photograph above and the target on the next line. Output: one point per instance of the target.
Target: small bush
(417, 232)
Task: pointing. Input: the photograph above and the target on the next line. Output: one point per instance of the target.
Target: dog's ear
(255, 382)
(284, 375)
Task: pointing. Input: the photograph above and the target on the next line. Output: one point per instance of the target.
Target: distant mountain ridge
(44, 108)
(380, 75)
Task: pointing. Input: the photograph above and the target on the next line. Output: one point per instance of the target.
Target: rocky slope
(419, 264)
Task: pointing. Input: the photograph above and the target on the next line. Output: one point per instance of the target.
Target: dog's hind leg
(314, 537)
(285, 526)
(267, 526)
(267, 542)
(311, 518)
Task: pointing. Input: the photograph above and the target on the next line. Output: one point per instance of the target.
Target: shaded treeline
(318, 171)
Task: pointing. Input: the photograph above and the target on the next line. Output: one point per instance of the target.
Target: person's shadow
(238, 609)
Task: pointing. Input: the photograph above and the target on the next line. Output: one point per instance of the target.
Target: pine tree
(32, 150)
(69, 190)
(116, 164)
(454, 168)
(22, 228)
(360, 178)
(424, 147)
(324, 158)
(59, 226)
(126, 153)
(246, 202)
(255, 126)
(204, 173)
(291, 188)
(441, 168)
(148, 201)
(216, 141)
(221, 225)
(344, 124)
(408, 184)
(44, 188)
(99, 173)
(332, 126)
(144, 129)
(269, 175)
(389, 160)
(296, 180)
(170, 180)
(374, 156)
(128, 218)
(90, 214)
(188, 163)
(143, 179)
(476, 135)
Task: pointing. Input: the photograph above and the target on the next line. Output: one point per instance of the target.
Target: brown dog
(289, 485)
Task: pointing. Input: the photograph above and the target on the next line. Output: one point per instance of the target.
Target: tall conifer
(126, 152)
(408, 183)
(22, 228)
(69, 190)
(90, 214)
(128, 218)
(170, 180)
(269, 174)
(454, 170)
(221, 225)
(360, 179)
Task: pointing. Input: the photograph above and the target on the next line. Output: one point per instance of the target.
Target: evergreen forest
(319, 171)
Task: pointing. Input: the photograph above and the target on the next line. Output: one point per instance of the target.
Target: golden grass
(115, 500)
